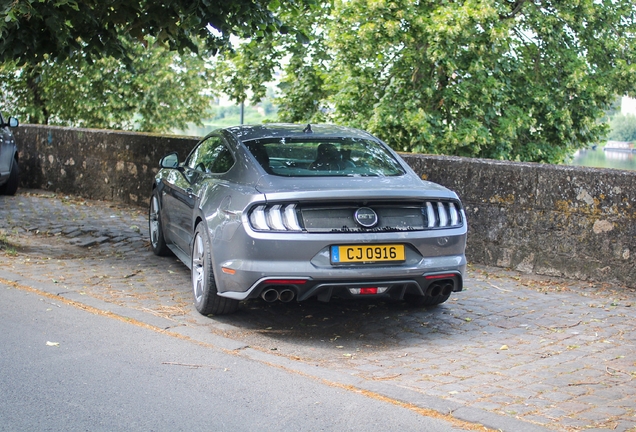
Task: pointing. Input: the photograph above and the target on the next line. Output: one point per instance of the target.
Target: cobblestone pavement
(550, 352)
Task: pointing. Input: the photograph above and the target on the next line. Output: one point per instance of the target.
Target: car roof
(287, 130)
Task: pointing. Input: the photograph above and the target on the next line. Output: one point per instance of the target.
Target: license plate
(367, 253)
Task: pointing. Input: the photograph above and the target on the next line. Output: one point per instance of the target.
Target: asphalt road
(66, 368)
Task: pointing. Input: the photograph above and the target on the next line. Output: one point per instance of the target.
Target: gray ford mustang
(286, 212)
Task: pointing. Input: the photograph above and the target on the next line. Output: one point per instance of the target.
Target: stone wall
(572, 222)
(552, 220)
(100, 164)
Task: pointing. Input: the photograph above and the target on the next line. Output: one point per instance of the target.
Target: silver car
(9, 168)
(288, 212)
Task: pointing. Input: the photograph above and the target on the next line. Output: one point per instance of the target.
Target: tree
(157, 92)
(623, 128)
(32, 31)
(503, 79)
(100, 63)
(302, 56)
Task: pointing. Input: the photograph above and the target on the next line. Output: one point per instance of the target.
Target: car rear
(295, 245)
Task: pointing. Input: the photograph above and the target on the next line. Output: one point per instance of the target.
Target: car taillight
(278, 217)
(441, 215)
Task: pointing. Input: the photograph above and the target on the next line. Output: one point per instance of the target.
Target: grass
(7, 246)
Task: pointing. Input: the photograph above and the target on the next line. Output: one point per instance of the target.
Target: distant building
(619, 146)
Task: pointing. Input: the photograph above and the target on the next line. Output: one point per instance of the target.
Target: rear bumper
(395, 286)
(250, 263)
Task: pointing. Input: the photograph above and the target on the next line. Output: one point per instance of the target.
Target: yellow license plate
(367, 253)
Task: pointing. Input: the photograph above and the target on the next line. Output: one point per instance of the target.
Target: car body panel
(8, 149)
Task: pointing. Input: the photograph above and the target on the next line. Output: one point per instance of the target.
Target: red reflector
(368, 290)
(286, 281)
(441, 276)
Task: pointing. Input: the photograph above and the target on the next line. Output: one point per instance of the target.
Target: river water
(604, 159)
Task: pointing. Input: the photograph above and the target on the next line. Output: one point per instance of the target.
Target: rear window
(324, 157)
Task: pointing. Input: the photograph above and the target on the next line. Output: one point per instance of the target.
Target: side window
(223, 161)
(211, 156)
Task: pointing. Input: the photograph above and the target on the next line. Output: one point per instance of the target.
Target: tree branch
(517, 6)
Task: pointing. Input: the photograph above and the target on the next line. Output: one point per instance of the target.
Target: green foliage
(101, 63)
(245, 70)
(33, 31)
(623, 128)
(158, 91)
(517, 80)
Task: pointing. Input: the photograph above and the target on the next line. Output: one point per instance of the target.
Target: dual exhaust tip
(444, 288)
(285, 295)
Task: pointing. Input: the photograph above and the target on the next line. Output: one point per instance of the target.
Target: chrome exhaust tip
(286, 295)
(269, 295)
(434, 290)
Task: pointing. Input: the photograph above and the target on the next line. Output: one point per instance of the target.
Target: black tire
(422, 301)
(206, 300)
(155, 229)
(11, 186)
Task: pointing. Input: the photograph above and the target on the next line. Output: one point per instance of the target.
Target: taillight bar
(278, 217)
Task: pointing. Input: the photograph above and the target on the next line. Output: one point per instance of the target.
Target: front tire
(206, 300)
(157, 240)
(11, 186)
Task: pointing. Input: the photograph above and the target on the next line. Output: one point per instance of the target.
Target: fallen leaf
(504, 347)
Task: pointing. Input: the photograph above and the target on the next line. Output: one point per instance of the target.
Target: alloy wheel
(154, 221)
(198, 268)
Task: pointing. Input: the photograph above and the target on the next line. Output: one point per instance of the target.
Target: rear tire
(206, 299)
(11, 186)
(157, 240)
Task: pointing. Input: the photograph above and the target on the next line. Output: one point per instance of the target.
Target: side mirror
(170, 160)
(13, 122)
